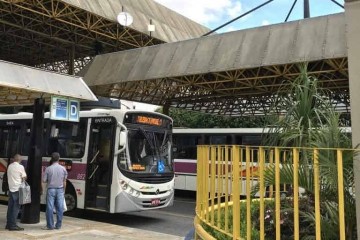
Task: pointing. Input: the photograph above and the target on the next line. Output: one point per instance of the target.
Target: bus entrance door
(99, 168)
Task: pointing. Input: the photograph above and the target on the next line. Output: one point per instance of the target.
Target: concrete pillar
(72, 61)
(166, 109)
(31, 212)
(352, 14)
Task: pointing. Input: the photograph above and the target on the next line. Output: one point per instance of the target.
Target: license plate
(155, 202)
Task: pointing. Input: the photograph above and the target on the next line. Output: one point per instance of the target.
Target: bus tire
(70, 197)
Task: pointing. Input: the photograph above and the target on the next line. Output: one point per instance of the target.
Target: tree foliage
(192, 119)
(310, 121)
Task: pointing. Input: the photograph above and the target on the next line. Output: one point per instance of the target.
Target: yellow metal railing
(243, 192)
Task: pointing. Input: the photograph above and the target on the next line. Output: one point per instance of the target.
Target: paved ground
(74, 228)
(174, 222)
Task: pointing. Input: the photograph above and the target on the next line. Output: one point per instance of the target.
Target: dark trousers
(13, 209)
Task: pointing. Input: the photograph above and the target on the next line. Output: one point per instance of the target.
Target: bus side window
(254, 140)
(202, 140)
(26, 140)
(67, 138)
(4, 136)
(185, 146)
(238, 140)
(218, 140)
(15, 141)
(9, 141)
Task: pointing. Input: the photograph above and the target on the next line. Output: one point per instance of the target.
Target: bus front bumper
(125, 202)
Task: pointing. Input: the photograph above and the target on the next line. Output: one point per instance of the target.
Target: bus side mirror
(122, 140)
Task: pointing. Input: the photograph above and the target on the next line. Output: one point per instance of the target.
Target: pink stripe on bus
(77, 171)
(185, 167)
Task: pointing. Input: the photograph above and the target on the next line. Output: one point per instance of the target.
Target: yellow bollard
(262, 193)
(212, 183)
(296, 193)
(317, 194)
(248, 196)
(227, 189)
(236, 193)
(277, 193)
(341, 194)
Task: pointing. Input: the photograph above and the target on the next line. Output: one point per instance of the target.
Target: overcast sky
(213, 13)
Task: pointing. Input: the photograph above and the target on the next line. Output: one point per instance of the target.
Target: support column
(306, 9)
(166, 109)
(72, 61)
(31, 212)
(352, 15)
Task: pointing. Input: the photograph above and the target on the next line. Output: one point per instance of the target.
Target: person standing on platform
(55, 176)
(16, 175)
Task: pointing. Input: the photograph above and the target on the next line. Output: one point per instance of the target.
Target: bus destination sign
(149, 120)
(138, 167)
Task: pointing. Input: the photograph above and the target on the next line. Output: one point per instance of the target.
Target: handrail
(93, 159)
(119, 124)
(93, 172)
(220, 184)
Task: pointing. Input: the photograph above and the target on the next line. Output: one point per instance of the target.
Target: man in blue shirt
(55, 177)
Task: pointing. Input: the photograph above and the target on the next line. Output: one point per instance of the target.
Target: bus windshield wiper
(151, 141)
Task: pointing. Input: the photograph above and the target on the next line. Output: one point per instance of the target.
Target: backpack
(5, 183)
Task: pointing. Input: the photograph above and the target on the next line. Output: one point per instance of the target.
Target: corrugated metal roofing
(304, 40)
(170, 26)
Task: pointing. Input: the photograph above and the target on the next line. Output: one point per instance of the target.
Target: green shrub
(286, 220)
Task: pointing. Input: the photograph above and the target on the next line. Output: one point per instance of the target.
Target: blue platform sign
(64, 109)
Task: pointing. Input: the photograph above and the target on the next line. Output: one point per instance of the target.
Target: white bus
(185, 141)
(117, 160)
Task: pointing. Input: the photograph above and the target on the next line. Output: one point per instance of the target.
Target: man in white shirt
(16, 175)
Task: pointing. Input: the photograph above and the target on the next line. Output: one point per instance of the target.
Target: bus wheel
(70, 198)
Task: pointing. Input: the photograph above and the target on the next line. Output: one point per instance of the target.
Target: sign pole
(31, 212)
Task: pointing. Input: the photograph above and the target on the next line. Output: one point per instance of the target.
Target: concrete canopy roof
(20, 85)
(64, 35)
(169, 25)
(240, 70)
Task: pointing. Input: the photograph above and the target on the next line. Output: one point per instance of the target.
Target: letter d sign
(74, 111)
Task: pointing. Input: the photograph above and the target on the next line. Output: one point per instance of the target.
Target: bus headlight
(123, 184)
(129, 189)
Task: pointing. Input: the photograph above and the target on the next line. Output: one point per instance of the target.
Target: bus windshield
(149, 151)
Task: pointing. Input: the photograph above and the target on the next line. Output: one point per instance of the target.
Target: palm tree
(304, 110)
(333, 137)
(309, 120)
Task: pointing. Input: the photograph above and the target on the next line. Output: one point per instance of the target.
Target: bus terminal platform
(76, 228)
